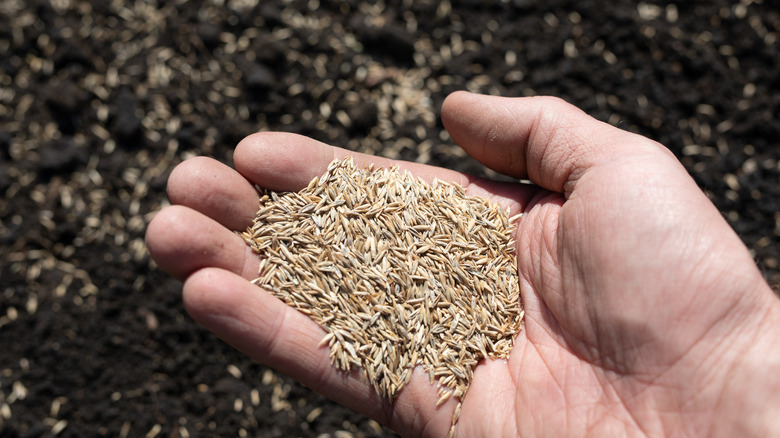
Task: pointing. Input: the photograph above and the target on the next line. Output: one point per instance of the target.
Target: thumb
(545, 139)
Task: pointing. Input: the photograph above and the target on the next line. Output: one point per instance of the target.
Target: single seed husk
(398, 272)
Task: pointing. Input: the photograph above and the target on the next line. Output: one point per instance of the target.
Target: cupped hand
(645, 314)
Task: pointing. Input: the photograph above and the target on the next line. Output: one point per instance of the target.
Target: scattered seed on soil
(398, 272)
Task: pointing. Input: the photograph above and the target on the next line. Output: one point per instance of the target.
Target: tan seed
(398, 272)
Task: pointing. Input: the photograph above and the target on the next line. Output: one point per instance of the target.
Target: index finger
(288, 162)
(284, 161)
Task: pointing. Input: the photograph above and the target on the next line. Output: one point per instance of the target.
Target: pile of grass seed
(398, 272)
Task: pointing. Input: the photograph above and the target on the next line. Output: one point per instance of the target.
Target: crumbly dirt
(100, 100)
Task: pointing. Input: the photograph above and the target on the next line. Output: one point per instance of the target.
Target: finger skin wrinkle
(251, 264)
(635, 392)
(284, 334)
(609, 412)
(494, 380)
(421, 424)
(274, 336)
(552, 377)
(516, 160)
(496, 142)
(511, 197)
(413, 412)
(553, 151)
(323, 369)
(216, 246)
(214, 189)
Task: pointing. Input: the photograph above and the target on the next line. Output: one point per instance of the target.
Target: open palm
(644, 312)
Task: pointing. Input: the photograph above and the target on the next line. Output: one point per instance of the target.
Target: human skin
(644, 312)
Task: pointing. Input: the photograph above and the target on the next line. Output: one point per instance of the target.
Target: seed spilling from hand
(398, 273)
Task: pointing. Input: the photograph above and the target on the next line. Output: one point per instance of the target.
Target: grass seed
(398, 272)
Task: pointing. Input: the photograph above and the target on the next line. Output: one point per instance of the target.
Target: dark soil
(99, 101)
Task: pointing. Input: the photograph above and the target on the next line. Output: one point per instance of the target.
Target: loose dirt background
(100, 100)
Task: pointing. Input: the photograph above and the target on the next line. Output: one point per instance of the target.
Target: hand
(645, 314)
